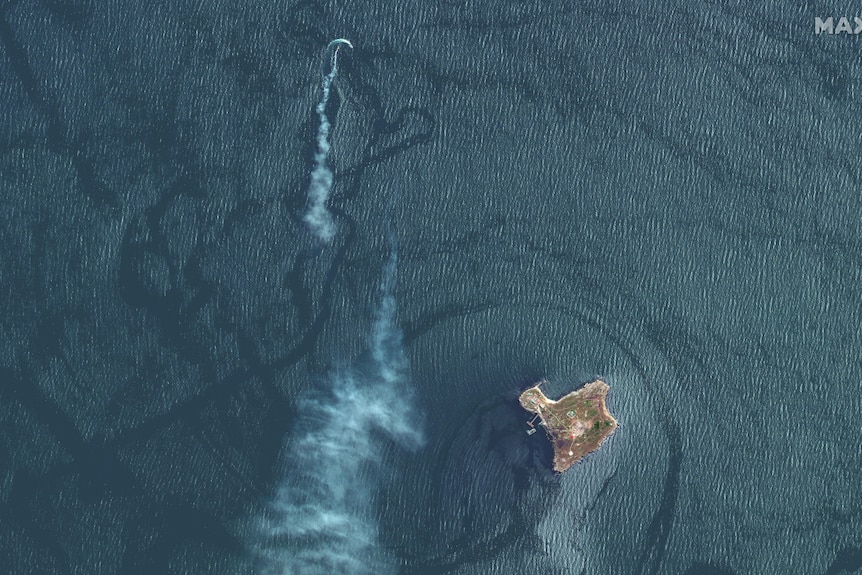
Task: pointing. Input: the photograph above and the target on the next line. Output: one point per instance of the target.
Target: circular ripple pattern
(664, 195)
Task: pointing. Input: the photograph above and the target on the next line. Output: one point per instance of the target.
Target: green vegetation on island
(576, 424)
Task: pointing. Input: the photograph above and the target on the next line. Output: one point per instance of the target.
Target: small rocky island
(576, 424)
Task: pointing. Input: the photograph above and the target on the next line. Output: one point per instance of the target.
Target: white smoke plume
(318, 216)
(322, 520)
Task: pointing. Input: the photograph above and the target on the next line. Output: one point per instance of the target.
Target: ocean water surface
(264, 315)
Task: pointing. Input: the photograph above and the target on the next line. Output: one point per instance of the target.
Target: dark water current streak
(95, 462)
(474, 547)
(174, 310)
(655, 538)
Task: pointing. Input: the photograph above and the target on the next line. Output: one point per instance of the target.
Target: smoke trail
(322, 520)
(317, 216)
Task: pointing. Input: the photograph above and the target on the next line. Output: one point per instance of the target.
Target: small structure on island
(586, 425)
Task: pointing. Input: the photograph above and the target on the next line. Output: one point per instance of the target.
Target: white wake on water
(322, 520)
(318, 216)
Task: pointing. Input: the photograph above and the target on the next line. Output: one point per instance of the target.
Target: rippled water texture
(663, 195)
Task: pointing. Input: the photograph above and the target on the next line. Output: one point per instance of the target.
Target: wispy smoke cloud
(318, 216)
(322, 520)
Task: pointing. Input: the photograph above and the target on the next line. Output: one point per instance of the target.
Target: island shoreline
(577, 424)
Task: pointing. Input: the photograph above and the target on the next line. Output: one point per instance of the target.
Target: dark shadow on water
(846, 561)
(538, 444)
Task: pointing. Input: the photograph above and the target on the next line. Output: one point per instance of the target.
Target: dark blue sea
(267, 299)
